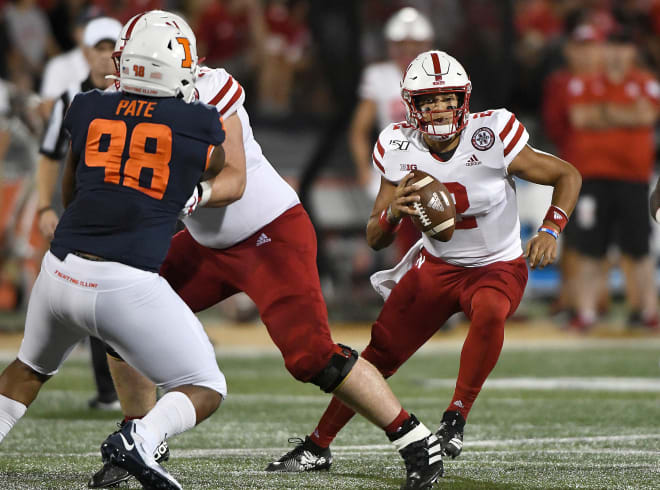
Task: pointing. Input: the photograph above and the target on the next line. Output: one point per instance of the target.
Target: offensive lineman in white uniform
(481, 270)
(254, 236)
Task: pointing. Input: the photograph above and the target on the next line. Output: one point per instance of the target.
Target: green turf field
(554, 417)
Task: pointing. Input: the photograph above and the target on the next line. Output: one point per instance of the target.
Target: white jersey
(381, 84)
(62, 71)
(266, 196)
(488, 228)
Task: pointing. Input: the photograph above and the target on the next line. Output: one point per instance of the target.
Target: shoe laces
(300, 443)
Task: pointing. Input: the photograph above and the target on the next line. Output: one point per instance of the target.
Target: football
(437, 213)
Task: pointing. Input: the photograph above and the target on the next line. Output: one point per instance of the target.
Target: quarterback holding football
(480, 269)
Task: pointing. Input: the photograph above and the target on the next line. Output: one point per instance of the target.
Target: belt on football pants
(86, 256)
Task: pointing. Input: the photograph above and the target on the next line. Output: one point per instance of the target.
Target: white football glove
(200, 196)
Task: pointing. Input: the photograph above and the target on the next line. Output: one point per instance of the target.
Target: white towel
(384, 281)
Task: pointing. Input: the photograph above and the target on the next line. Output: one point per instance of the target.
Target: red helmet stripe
(129, 31)
(436, 66)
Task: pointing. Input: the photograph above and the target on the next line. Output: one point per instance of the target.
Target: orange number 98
(111, 134)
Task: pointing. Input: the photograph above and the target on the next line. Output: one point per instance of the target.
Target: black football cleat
(423, 456)
(125, 449)
(111, 475)
(450, 433)
(306, 456)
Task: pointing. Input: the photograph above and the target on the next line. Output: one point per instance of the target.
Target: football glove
(200, 196)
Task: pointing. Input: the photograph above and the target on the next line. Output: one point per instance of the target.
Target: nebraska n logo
(420, 261)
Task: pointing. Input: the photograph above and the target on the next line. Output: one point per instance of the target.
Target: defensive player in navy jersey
(135, 158)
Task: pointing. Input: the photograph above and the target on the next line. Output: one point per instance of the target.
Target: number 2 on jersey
(462, 204)
(150, 147)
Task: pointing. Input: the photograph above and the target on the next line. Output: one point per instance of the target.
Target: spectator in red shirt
(583, 55)
(230, 34)
(614, 115)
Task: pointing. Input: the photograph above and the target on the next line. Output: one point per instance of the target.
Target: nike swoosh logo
(129, 447)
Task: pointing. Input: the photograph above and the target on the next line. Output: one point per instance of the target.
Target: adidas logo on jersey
(459, 404)
(473, 160)
(263, 239)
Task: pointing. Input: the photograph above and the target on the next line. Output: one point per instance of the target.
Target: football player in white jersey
(481, 271)
(253, 235)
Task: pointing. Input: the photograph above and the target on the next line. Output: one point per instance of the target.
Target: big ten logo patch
(406, 167)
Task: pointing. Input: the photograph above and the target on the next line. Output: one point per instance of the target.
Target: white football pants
(134, 311)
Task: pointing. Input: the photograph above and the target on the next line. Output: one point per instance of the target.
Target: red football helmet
(436, 72)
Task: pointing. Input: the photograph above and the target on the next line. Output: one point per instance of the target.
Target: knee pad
(338, 367)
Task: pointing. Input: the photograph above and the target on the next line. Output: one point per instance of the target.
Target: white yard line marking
(380, 448)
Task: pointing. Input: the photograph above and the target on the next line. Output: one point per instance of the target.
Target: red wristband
(386, 225)
(557, 216)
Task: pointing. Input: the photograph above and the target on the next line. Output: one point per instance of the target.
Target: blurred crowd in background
(301, 63)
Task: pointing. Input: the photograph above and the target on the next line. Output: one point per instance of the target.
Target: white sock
(10, 412)
(173, 414)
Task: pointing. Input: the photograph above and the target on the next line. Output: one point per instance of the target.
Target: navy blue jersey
(140, 159)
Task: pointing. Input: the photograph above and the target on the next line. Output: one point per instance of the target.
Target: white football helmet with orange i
(159, 61)
(150, 18)
(436, 72)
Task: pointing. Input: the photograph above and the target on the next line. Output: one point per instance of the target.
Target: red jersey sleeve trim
(233, 100)
(377, 162)
(223, 92)
(380, 149)
(515, 140)
(505, 132)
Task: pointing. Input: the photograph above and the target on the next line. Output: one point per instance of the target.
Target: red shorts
(427, 296)
(276, 268)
